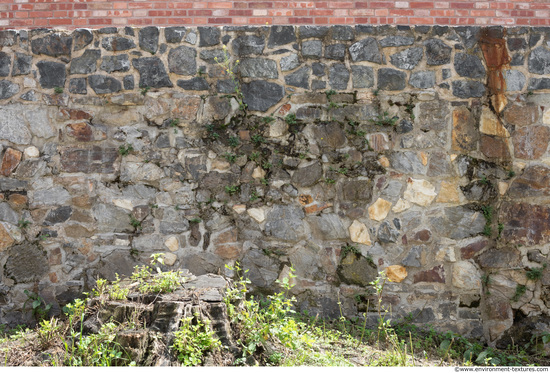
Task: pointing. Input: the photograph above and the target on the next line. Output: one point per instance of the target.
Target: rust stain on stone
(496, 56)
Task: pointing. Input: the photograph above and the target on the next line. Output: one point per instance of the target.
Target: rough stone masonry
(340, 151)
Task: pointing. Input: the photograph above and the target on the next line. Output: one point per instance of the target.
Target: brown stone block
(10, 161)
(531, 142)
(522, 115)
(53, 277)
(525, 223)
(187, 108)
(495, 147)
(465, 134)
(17, 201)
(534, 182)
(78, 231)
(5, 238)
(436, 274)
(89, 160)
(74, 114)
(469, 251)
(55, 257)
(228, 251)
(80, 131)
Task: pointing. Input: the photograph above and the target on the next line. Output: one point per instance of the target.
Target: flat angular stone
(391, 79)
(413, 257)
(471, 250)
(525, 223)
(407, 59)
(210, 55)
(209, 36)
(534, 182)
(531, 142)
(359, 233)
(117, 43)
(357, 270)
(149, 39)
(458, 222)
(86, 64)
(465, 134)
(8, 38)
(128, 82)
(54, 45)
(151, 72)
(366, 50)
(285, 223)
(261, 95)
(539, 61)
(329, 135)
(182, 60)
(281, 35)
(494, 147)
(312, 49)
(11, 128)
(437, 52)
(308, 175)
(536, 84)
(21, 64)
(422, 79)
(174, 34)
(82, 38)
(102, 84)
(379, 209)
(313, 31)
(26, 263)
(522, 115)
(468, 88)
(490, 124)
(356, 190)
(436, 274)
(407, 162)
(420, 192)
(58, 215)
(335, 52)
(338, 76)
(259, 68)
(248, 44)
(387, 234)
(396, 273)
(115, 63)
(396, 41)
(5, 64)
(195, 84)
(52, 74)
(289, 62)
(78, 86)
(362, 76)
(89, 160)
(6, 240)
(340, 32)
(469, 66)
(327, 227)
(515, 80)
(10, 161)
(469, 35)
(8, 89)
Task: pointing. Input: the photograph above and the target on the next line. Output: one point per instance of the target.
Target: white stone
(256, 214)
(172, 244)
(239, 209)
(124, 203)
(379, 209)
(446, 254)
(29, 83)
(359, 233)
(491, 125)
(278, 128)
(502, 187)
(170, 259)
(546, 117)
(31, 152)
(401, 206)
(258, 173)
(420, 192)
(466, 276)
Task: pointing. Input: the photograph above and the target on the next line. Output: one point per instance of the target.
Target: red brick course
(70, 14)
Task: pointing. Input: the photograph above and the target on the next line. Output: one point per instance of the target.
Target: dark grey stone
(286, 223)
(422, 29)
(515, 44)
(54, 45)
(407, 59)
(407, 162)
(226, 39)
(194, 84)
(52, 74)
(312, 31)
(26, 263)
(21, 64)
(312, 49)
(518, 59)
(356, 269)
(8, 38)
(362, 76)
(534, 39)
(163, 141)
(445, 74)
(78, 86)
(458, 223)
(117, 43)
(340, 32)
(102, 84)
(107, 30)
(261, 95)
(174, 34)
(129, 31)
(115, 63)
(258, 68)
(391, 79)
(128, 82)
(366, 50)
(335, 52)
(209, 36)
(30, 96)
(82, 38)
(86, 64)
(396, 41)
(422, 79)
(299, 78)
(437, 52)
(5, 64)
(327, 227)
(281, 35)
(404, 126)
(338, 76)
(307, 176)
(413, 257)
(387, 234)
(248, 44)
(469, 66)
(539, 61)
(468, 88)
(289, 62)
(318, 84)
(538, 83)
(182, 60)
(515, 80)
(226, 86)
(211, 55)
(151, 72)
(149, 39)
(469, 35)
(318, 69)
(59, 215)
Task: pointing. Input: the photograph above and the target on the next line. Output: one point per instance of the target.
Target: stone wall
(340, 151)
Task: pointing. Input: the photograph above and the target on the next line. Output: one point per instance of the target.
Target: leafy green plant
(234, 141)
(253, 196)
(258, 139)
(193, 340)
(488, 214)
(254, 156)
(230, 157)
(229, 69)
(385, 120)
(268, 119)
(348, 249)
(355, 131)
(40, 309)
(535, 273)
(124, 150)
(144, 90)
(134, 222)
(58, 90)
(329, 180)
(48, 332)
(23, 223)
(151, 279)
(195, 221)
(520, 290)
(231, 189)
(211, 129)
(290, 119)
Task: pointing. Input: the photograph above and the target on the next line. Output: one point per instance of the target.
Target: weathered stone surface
(6, 240)
(261, 68)
(151, 72)
(340, 32)
(391, 79)
(182, 60)
(312, 49)
(522, 115)
(356, 190)
(407, 59)
(52, 74)
(149, 39)
(490, 124)
(117, 43)
(469, 66)
(338, 76)
(515, 80)
(436, 274)
(458, 222)
(21, 64)
(174, 34)
(539, 61)
(432, 115)
(8, 89)
(464, 134)
(5, 64)
(362, 76)
(494, 147)
(10, 126)
(58, 215)
(313, 31)
(210, 55)
(536, 84)
(286, 223)
(248, 44)
(103, 84)
(10, 161)
(289, 62)
(209, 36)
(329, 135)
(82, 38)
(499, 258)
(26, 263)
(335, 52)
(366, 50)
(281, 35)
(86, 64)
(261, 95)
(89, 160)
(525, 223)
(422, 79)
(437, 52)
(531, 142)
(396, 273)
(387, 234)
(115, 63)
(466, 276)
(448, 193)
(307, 175)
(327, 227)
(359, 233)
(54, 45)
(468, 88)
(534, 182)
(408, 162)
(379, 209)
(413, 257)
(195, 84)
(357, 270)
(396, 41)
(471, 250)
(78, 86)
(8, 38)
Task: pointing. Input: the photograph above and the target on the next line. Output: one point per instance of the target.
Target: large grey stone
(174, 34)
(469, 66)
(21, 64)
(86, 64)
(413, 257)
(115, 63)
(338, 75)
(407, 162)
(422, 79)
(248, 44)
(328, 227)
(469, 35)
(182, 60)
(433, 115)
(102, 84)
(258, 68)
(7, 214)
(8, 89)
(151, 72)
(396, 41)
(11, 128)
(117, 43)
(212, 55)
(281, 35)
(391, 79)
(49, 197)
(458, 223)
(366, 50)
(39, 122)
(52, 45)
(209, 36)
(307, 176)
(299, 78)
(437, 52)
(286, 223)
(355, 269)
(387, 233)
(312, 31)
(407, 59)
(362, 76)
(340, 32)
(539, 61)
(194, 84)
(78, 86)
(5, 64)
(82, 38)
(58, 215)
(335, 52)
(26, 263)
(8, 38)
(111, 218)
(289, 62)
(52, 74)
(261, 95)
(538, 83)
(149, 39)
(312, 49)
(515, 80)
(468, 88)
